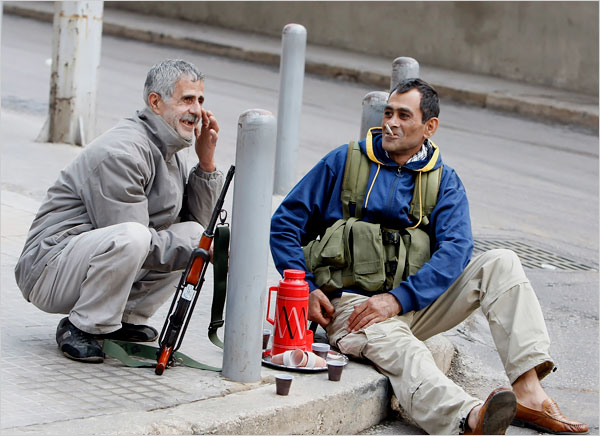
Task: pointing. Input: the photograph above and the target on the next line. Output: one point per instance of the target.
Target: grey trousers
(494, 281)
(98, 278)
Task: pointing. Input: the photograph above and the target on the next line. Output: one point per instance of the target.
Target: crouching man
(122, 218)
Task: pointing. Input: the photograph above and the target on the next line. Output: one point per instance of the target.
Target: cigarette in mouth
(387, 128)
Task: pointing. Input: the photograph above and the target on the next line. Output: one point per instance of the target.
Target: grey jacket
(131, 173)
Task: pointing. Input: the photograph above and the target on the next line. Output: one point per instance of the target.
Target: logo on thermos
(287, 327)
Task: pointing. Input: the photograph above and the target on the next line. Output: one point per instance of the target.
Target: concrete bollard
(291, 74)
(75, 62)
(403, 68)
(372, 111)
(1, 17)
(248, 264)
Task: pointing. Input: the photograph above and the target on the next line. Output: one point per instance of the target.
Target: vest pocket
(368, 256)
(328, 279)
(333, 252)
(327, 257)
(329, 250)
(419, 253)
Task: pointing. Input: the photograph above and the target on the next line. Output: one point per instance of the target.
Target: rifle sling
(131, 353)
(220, 267)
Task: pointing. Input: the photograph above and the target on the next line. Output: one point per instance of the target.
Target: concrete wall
(547, 43)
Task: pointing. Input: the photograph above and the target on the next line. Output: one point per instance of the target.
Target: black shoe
(77, 344)
(132, 333)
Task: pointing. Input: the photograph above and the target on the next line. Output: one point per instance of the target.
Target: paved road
(529, 183)
(523, 177)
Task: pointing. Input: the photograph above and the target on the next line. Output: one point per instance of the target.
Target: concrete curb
(348, 408)
(519, 106)
(362, 401)
(546, 109)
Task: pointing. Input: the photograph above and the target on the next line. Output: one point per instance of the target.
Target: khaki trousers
(494, 281)
(98, 278)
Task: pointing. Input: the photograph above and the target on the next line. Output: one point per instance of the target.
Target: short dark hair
(430, 102)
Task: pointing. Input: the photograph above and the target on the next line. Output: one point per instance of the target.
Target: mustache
(190, 117)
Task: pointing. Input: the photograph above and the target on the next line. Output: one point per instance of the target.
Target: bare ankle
(473, 417)
(529, 391)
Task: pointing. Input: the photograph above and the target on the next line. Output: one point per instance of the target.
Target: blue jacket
(314, 204)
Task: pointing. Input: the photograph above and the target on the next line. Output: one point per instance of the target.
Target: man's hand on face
(320, 308)
(207, 133)
(376, 309)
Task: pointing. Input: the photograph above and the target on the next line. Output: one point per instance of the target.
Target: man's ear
(154, 101)
(431, 126)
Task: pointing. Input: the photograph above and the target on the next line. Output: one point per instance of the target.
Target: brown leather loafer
(548, 420)
(496, 413)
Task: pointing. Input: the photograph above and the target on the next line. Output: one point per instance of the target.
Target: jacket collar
(376, 153)
(163, 136)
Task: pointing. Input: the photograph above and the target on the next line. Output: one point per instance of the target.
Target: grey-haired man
(124, 217)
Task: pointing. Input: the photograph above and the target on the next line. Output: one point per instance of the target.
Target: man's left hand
(376, 309)
(207, 134)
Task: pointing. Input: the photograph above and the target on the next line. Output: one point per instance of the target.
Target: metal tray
(332, 355)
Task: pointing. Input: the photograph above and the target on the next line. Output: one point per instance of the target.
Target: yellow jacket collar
(371, 153)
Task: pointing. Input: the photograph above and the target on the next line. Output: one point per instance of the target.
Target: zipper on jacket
(393, 188)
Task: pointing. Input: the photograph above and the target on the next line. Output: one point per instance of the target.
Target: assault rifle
(188, 289)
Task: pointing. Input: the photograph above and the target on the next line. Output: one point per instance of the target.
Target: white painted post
(403, 68)
(1, 17)
(75, 61)
(291, 73)
(248, 264)
(372, 111)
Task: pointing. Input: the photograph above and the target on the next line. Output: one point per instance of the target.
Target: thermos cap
(293, 274)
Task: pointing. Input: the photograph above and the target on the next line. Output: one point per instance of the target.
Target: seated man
(383, 231)
(123, 217)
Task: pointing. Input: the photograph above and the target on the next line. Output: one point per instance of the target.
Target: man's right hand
(320, 308)
(206, 141)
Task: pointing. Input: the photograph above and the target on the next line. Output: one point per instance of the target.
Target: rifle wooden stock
(193, 276)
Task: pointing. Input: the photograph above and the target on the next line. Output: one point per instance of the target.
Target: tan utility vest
(358, 253)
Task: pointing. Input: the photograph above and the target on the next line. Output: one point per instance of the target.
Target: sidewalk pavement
(539, 102)
(45, 393)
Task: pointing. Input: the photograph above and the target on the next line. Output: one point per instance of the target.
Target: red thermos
(291, 313)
